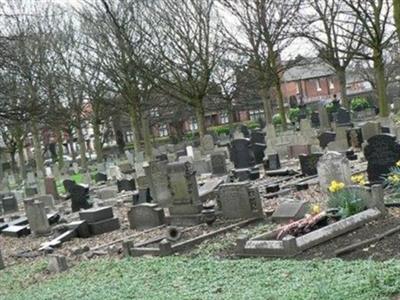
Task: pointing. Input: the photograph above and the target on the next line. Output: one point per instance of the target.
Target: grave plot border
(266, 245)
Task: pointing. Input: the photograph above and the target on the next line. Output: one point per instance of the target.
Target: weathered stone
(51, 187)
(308, 163)
(239, 200)
(104, 226)
(370, 129)
(241, 154)
(272, 162)
(57, 264)
(37, 218)
(218, 163)
(295, 150)
(9, 203)
(156, 172)
(146, 215)
(107, 193)
(100, 177)
(325, 138)
(126, 185)
(333, 166)
(96, 214)
(16, 230)
(290, 211)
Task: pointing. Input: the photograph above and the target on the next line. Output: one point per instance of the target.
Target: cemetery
(202, 149)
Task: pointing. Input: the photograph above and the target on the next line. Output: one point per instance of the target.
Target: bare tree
(323, 23)
(396, 14)
(374, 16)
(185, 44)
(267, 26)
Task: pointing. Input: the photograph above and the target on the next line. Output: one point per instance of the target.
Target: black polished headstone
(342, 117)
(382, 152)
(308, 163)
(325, 138)
(100, 177)
(126, 185)
(241, 154)
(257, 137)
(258, 150)
(272, 162)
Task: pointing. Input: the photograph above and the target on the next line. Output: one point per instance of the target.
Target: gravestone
(156, 172)
(315, 123)
(79, 195)
(323, 117)
(272, 162)
(107, 193)
(50, 186)
(96, 214)
(291, 210)
(370, 129)
(48, 200)
(100, 177)
(224, 140)
(37, 218)
(385, 129)
(308, 163)
(180, 153)
(325, 138)
(302, 112)
(342, 117)
(245, 130)
(218, 164)
(257, 137)
(184, 192)
(207, 143)
(354, 137)
(126, 185)
(295, 150)
(340, 143)
(382, 152)
(259, 152)
(241, 154)
(333, 166)
(9, 203)
(57, 264)
(239, 200)
(145, 216)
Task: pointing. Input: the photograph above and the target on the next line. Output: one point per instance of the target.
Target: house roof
(307, 69)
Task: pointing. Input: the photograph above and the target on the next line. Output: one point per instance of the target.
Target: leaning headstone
(156, 173)
(239, 200)
(370, 129)
(308, 163)
(218, 163)
(291, 210)
(382, 152)
(146, 215)
(37, 218)
(333, 166)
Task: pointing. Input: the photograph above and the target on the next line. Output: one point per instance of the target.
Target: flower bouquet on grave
(392, 183)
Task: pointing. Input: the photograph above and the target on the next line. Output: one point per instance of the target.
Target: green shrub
(220, 129)
(252, 124)
(293, 114)
(331, 108)
(349, 202)
(276, 119)
(359, 104)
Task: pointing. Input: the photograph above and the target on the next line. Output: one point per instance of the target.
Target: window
(331, 84)
(223, 118)
(129, 136)
(193, 125)
(317, 85)
(154, 112)
(163, 130)
(256, 114)
(298, 87)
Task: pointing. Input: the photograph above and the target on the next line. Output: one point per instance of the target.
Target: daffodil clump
(336, 186)
(393, 178)
(358, 179)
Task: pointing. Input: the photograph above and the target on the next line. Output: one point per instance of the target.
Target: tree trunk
(379, 69)
(82, 147)
(21, 158)
(281, 103)
(135, 129)
(396, 14)
(60, 150)
(97, 141)
(267, 105)
(148, 149)
(231, 118)
(201, 121)
(38, 150)
(341, 74)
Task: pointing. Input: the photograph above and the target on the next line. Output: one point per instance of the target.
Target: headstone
(342, 117)
(79, 196)
(340, 143)
(291, 210)
(104, 226)
(75, 167)
(272, 162)
(382, 152)
(325, 138)
(323, 117)
(315, 122)
(308, 163)
(257, 137)
(295, 150)
(37, 218)
(114, 172)
(241, 154)
(126, 185)
(183, 188)
(57, 264)
(245, 130)
(51, 187)
(218, 163)
(333, 166)
(107, 193)
(370, 129)
(16, 231)
(94, 215)
(239, 200)
(48, 200)
(189, 151)
(354, 137)
(100, 177)
(156, 172)
(259, 152)
(146, 215)
(207, 143)
(9, 203)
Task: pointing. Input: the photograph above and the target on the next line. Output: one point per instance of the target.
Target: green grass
(206, 278)
(78, 178)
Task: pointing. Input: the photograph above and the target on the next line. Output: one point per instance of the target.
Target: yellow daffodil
(394, 179)
(398, 164)
(315, 209)
(336, 186)
(358, 179)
